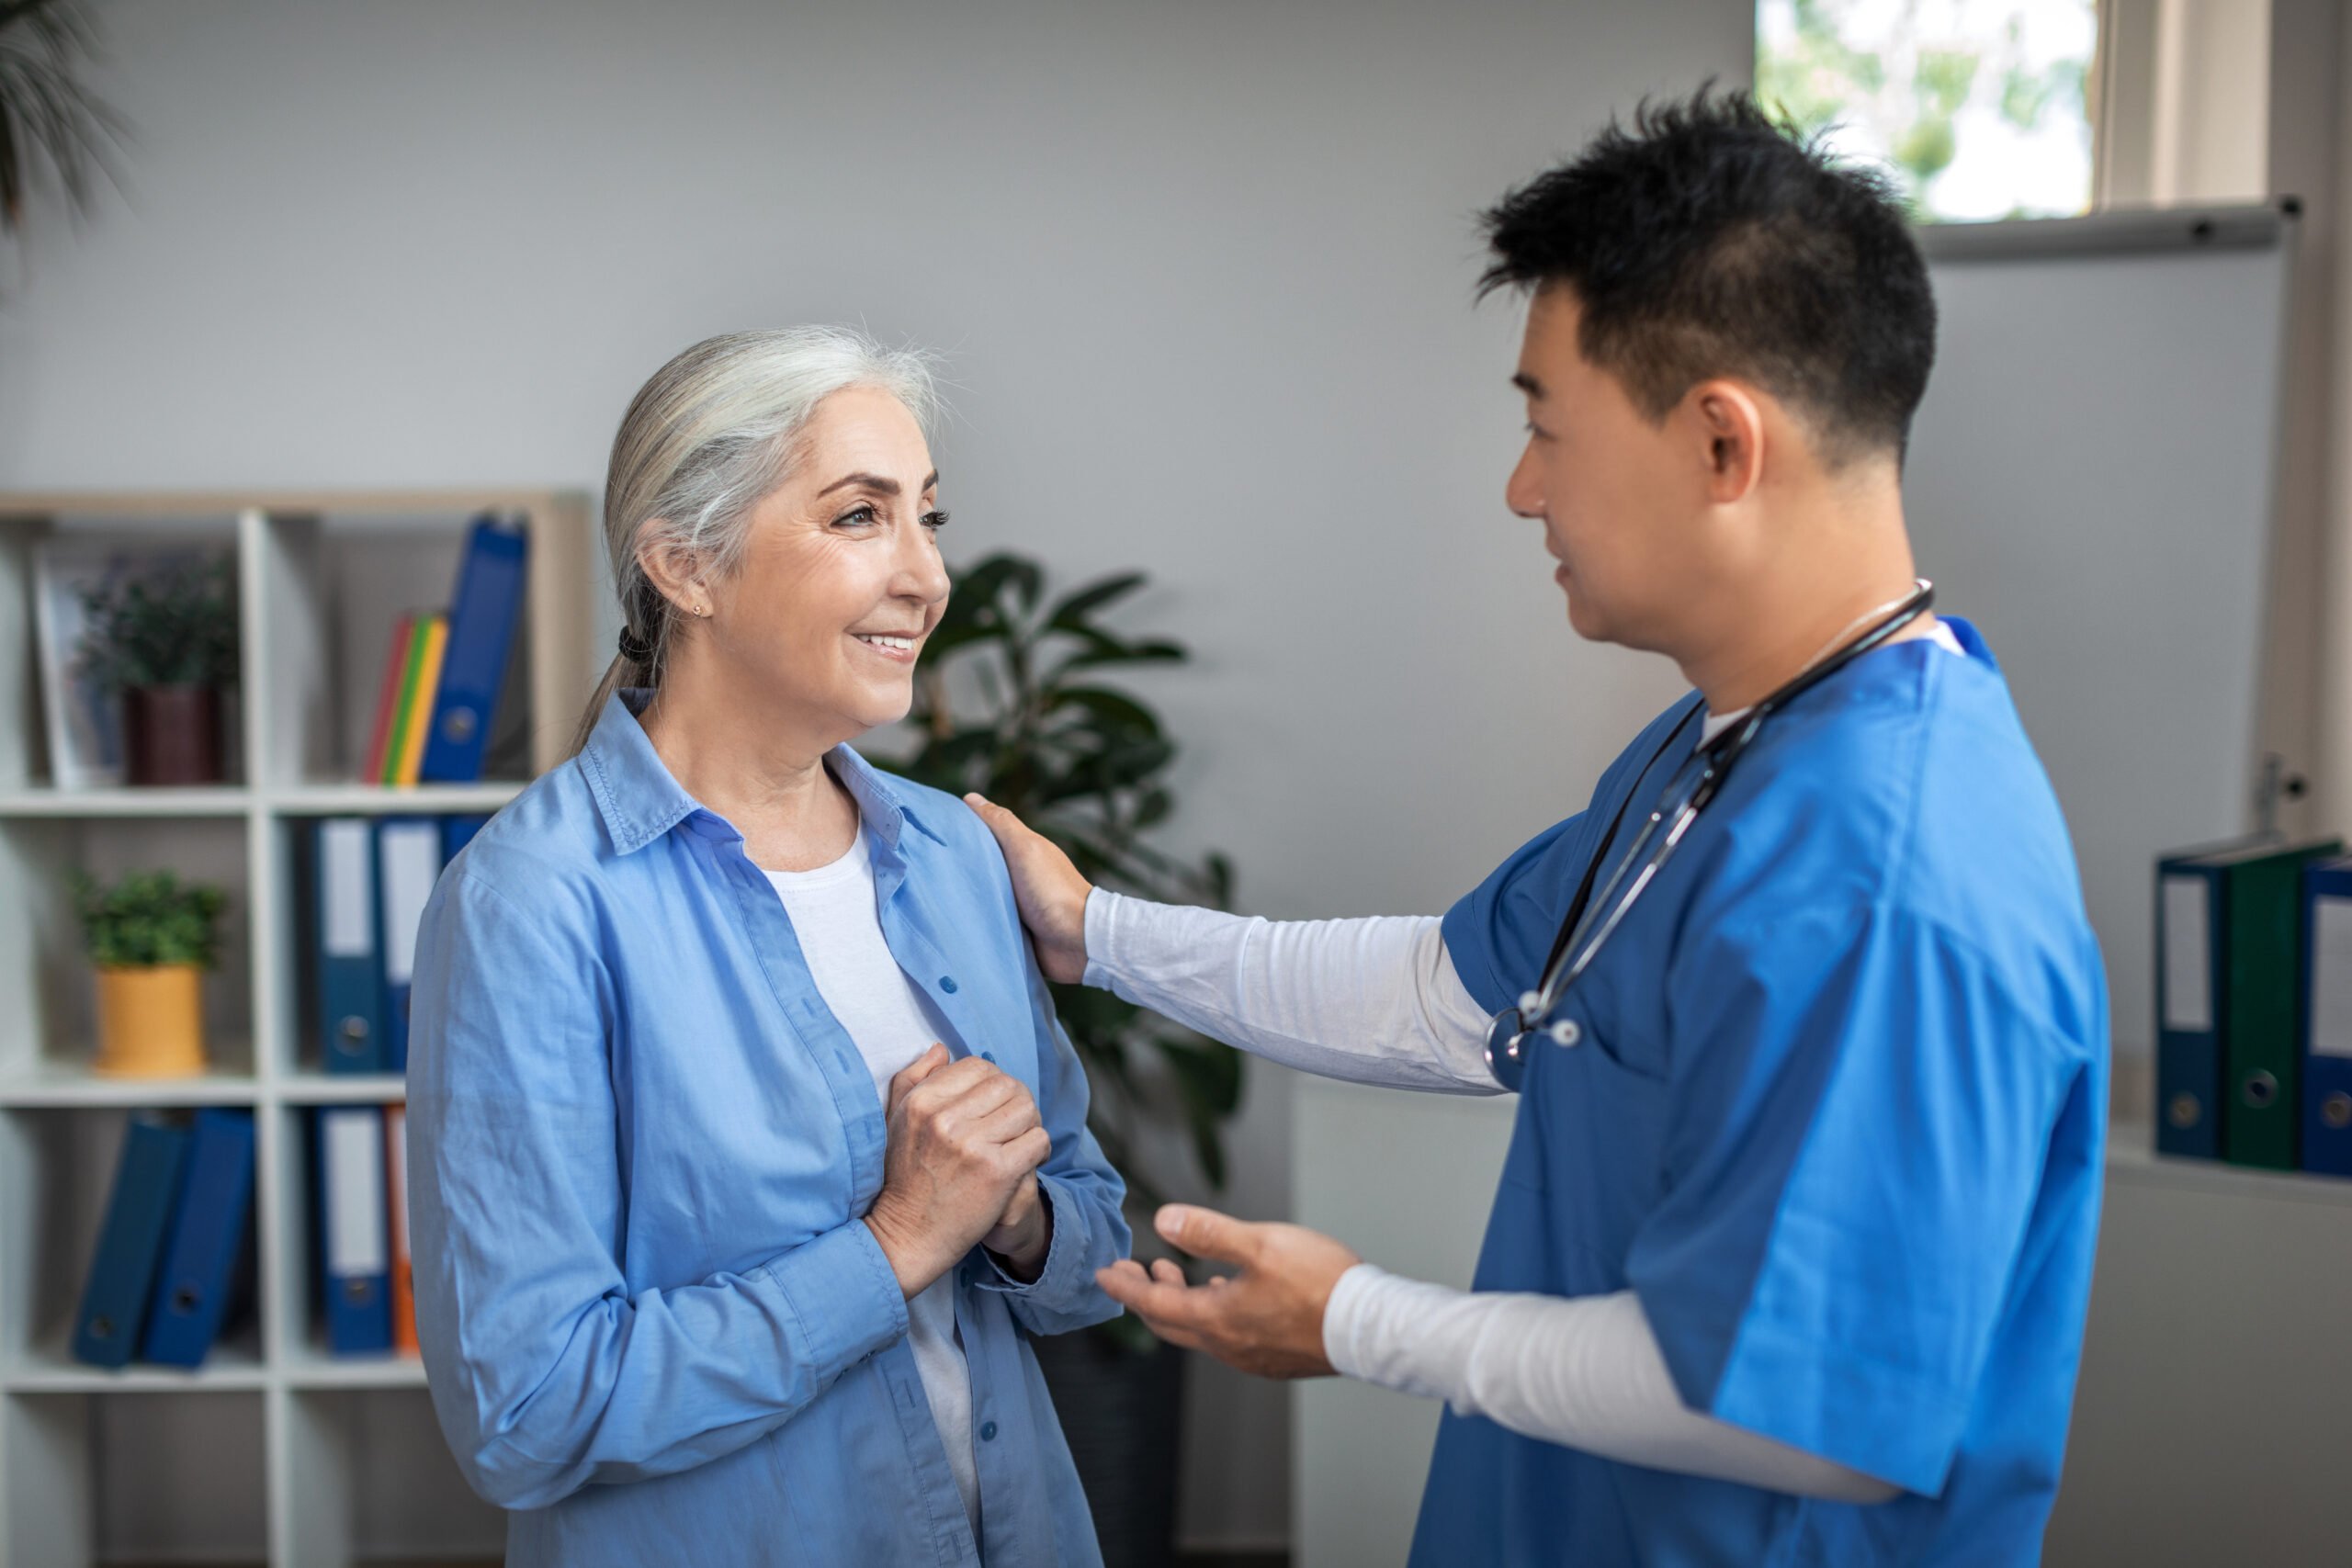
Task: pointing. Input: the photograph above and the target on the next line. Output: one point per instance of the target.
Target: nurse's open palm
(1267, 1319)
(963, 1136)
(1049, 889)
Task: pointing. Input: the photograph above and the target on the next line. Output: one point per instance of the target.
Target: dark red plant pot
(171, 734)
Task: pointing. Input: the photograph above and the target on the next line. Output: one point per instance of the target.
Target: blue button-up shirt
(654, 1324)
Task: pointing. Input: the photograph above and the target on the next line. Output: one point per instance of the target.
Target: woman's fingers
(915, 1072)
(1006, 1122)
(1031, 1149)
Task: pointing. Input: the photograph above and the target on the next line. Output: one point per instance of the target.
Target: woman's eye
(857, 514)
(935, 521)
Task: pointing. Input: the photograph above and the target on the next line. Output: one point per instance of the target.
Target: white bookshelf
(273, 1451)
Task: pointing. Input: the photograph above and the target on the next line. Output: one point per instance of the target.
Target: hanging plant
(48, 116)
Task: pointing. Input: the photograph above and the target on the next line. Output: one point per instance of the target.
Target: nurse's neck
(1839, 563)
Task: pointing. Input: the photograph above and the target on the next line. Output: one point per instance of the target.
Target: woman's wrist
(911, 1256)
(1020, 1250)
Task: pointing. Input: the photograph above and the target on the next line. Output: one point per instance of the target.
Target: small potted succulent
(166, 639)
(150, 937)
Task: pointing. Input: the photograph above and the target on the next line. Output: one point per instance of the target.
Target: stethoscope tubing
(1580, 940)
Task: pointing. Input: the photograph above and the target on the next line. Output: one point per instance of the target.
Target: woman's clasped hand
(961, 1168)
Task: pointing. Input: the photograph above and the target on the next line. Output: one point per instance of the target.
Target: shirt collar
(641, 800)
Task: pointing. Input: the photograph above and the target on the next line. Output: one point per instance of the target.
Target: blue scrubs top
(1837, 1117)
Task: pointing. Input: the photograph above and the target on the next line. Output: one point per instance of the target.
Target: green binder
(2261, 948)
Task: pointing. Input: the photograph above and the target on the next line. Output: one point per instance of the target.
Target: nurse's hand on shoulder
(1267, 1319)
(963, 1135)
(1049, 889)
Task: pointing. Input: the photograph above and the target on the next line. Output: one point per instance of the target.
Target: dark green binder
(2261, 948)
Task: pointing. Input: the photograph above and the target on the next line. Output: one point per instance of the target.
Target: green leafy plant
(149, 917)
(46, 110)
(172, 626)
(1084, 764)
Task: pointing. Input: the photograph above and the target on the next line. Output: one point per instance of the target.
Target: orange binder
(396, 1184)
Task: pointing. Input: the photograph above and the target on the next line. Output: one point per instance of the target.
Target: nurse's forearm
(1372, 1001)
(1583, 1371)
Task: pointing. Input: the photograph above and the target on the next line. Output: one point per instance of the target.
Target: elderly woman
(746, 1152)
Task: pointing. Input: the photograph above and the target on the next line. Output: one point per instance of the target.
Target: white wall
(1204, 270)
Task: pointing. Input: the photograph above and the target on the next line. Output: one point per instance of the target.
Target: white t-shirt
(834, 915)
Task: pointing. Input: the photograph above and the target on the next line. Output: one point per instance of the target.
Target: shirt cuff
(844, 1294)
(1102, 937)
(1065, 1269)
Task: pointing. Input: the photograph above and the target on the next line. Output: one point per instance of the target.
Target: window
(1978, 107)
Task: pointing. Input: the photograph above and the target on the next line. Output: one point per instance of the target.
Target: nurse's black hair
(1710, 239)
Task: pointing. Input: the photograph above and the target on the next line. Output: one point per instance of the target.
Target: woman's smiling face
(840, 580)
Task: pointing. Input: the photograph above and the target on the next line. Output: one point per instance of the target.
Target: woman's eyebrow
(877, 483)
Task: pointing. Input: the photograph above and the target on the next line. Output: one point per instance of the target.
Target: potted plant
(150, 937)
(1009, 702)
(166, 639)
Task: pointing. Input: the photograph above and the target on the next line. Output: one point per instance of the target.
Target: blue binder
(456, 832)
(2325, 1019)
(354, 1250)
(482, 616)
(200, 1263)
(114, 1296)
(2189, 979)
(350, 969)
(408, 863)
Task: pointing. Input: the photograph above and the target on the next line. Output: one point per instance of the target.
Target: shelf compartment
(91, 535)
(42, 958)
(57, 1174)
(152, 1504)
(371, 1480)
(338, 583)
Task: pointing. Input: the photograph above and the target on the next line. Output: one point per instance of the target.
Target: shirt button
(987, 1431)
(988, 1057)
(947, 984)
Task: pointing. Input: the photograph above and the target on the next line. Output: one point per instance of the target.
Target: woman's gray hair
(709, 436)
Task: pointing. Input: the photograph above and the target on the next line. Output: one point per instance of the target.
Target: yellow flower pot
(150, 1022)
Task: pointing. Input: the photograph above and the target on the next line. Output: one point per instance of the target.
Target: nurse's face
(1626, 502)
(840, 580)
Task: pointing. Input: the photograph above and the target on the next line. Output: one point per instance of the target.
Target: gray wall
(1203, 268)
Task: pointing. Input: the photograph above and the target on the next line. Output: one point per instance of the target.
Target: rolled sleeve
(844, 1293)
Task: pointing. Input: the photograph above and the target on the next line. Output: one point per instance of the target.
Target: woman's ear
(675, 573)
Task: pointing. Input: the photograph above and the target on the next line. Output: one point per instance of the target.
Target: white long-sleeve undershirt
(1377, 1001)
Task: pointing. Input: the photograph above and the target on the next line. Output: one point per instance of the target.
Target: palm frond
(48, 116)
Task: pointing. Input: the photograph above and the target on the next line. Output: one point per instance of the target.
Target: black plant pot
(1122, 1411)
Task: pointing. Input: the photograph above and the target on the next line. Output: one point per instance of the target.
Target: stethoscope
(1586, 926)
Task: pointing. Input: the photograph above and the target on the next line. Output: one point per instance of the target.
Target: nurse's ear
(1728, 422)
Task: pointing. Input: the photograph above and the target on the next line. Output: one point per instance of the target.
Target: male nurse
(1791, 1248)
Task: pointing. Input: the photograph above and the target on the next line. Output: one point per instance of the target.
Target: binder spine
(350, 973)
(2323, 1021)
(2189, 1002)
